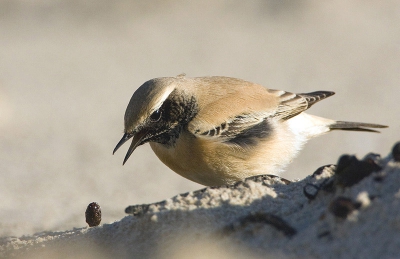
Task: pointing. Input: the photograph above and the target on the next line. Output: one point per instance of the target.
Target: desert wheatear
(220, 130)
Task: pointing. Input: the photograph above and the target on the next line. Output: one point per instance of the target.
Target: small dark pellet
(93, 214)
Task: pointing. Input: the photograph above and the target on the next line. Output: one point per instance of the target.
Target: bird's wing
(237, 108)
(229, 106)
(292, 104)
(231, 127)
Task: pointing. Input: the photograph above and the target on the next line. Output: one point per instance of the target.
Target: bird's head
(157, 112)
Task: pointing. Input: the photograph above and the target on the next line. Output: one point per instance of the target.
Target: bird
(218, 130)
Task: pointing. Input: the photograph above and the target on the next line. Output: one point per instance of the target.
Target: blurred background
(69, 68)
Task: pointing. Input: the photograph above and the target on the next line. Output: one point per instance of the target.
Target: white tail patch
(309, 125)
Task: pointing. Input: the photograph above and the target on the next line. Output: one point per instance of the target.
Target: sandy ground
(69, 68)
(346, 211)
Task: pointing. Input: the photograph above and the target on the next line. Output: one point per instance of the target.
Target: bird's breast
(196, 159)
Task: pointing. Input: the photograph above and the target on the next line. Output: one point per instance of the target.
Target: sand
(349, 210)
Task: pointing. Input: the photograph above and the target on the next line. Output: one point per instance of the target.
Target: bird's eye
(155, 116)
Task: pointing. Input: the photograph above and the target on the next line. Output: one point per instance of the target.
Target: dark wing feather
(292, 104)
(232, 128)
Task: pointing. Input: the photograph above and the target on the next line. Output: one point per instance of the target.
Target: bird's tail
(355, 126)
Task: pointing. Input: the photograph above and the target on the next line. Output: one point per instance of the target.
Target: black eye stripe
(165, 124)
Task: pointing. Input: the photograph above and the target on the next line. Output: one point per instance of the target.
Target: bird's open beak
(136, 141)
